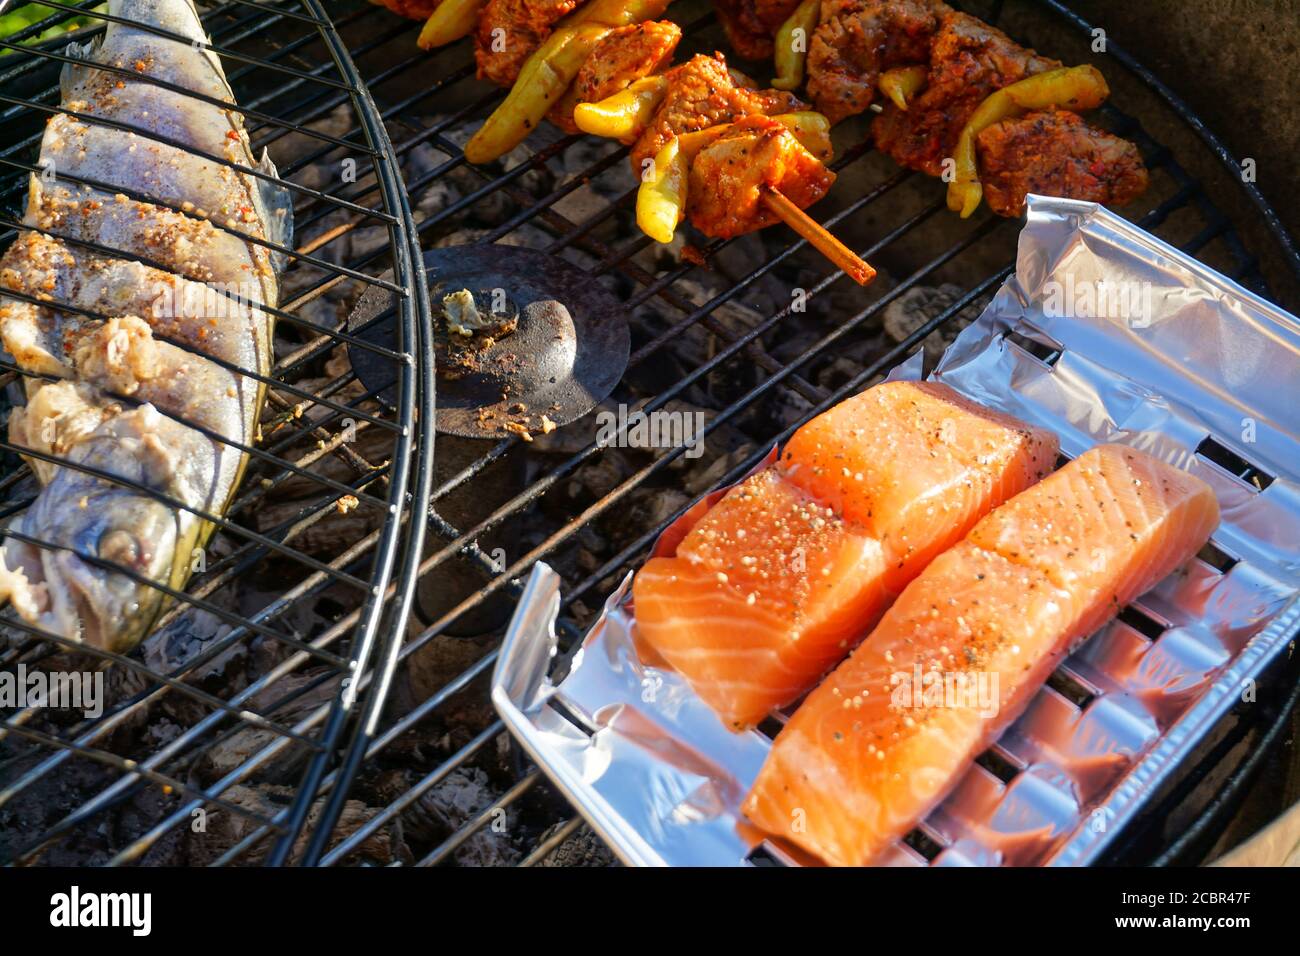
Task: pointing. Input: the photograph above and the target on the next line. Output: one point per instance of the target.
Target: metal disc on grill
(566, 354)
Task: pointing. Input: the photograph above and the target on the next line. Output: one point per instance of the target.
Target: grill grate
(730, 339)
(311, 421)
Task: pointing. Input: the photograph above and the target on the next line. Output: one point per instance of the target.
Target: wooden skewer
(821, 240)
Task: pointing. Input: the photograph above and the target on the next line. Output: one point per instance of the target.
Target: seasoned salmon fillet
(916, 465)
(877, 745)
(776, 583)
(765, 594)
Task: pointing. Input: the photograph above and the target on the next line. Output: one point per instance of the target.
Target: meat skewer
(539, 48)
(595, 71)
(824, 242)
(731, 158)
(961, 97)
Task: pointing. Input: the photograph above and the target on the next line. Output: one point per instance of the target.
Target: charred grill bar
(290, 449)
(278, 742)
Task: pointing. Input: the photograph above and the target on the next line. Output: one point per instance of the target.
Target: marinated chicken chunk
(625, 55)
(857, 40)
(968, 60)
(508, 33)
(702, 93)
(751, 25)
(727, 176)
(1056, 153)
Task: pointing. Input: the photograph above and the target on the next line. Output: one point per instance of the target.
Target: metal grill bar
(388, 43)
(381, 550)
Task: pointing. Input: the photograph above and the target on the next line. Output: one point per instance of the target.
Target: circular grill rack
(715, 330)
(383, 454)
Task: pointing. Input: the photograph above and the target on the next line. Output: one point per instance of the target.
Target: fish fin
(277, 207)
(26, 598)
(24, 340)
(74, 73)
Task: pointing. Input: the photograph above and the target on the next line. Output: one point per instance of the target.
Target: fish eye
(119, 546)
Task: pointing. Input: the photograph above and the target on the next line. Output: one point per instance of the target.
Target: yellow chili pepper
(452, 20)
(661, 198)
(542, 81)
(619, 13)
(812, 130)
(625, 115)
(902, 83)
(1072, 88)
(791, 45)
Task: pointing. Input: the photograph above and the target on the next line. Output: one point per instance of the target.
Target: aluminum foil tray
(1104, 334)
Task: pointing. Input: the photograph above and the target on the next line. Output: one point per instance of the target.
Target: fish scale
(132, 362)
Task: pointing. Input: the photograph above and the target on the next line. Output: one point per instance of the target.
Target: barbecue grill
(318, 694)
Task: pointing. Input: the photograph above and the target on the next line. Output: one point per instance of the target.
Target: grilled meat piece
(703, 93)
(1056, 153)
(857, 40)
(627, 54)
(728, 174)
(968, 60)
(751, 25)
(508, 33)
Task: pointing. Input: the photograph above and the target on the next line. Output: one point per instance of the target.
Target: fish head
(121, 529)
(105, 546)
(111, 547)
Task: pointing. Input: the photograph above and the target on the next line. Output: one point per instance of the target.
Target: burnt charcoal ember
(443, 659)
(457, 799)
(582, 848)
(218, 829)
(454, 184)
(919, 305)
(327, 536)
(37, 807)
(187, 636)
(287, 701)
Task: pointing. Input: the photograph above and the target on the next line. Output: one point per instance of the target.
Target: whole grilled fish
(142, 255)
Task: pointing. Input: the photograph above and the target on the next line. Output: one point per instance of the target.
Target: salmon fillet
(967, 645)
(916, 465)
(775, 583)
(765, 594)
